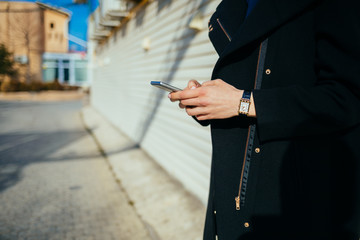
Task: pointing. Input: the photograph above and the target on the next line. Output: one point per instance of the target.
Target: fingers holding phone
(192, 84)
(177, 94)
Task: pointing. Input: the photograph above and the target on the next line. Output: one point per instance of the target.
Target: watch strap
(246, 95)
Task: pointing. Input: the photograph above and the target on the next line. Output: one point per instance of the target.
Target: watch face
(244, 107)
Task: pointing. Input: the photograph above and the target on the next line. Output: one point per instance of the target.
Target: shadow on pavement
(20, 150)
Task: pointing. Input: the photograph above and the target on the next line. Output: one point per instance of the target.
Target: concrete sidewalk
(166, 208)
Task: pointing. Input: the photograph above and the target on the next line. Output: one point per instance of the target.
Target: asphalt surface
(54, 183)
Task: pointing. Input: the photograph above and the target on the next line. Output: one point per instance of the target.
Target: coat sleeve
(203, 123)
(333, 104)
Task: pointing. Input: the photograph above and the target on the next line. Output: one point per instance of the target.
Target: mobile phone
(165, 86)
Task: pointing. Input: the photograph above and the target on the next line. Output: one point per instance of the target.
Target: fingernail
(169, 96)
(193, 87)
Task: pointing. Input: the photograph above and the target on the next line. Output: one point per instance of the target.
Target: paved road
(54, 184)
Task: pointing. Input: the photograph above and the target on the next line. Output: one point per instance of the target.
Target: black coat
(298, 161)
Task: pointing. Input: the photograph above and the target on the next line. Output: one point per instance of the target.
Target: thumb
(192, 84)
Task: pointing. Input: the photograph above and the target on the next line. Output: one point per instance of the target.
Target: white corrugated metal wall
(121, 88)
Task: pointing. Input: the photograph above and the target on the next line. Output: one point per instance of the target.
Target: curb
(167, 210)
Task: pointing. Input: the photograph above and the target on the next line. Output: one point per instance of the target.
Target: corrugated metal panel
(121, 89)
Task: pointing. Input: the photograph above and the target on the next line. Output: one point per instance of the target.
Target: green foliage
(6, 62)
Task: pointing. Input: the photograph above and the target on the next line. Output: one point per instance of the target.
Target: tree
(6, 61)
(26, 34)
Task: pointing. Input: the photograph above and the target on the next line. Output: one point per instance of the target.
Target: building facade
(55, 29)
(24, 31)
(37, 35)
(163, 40)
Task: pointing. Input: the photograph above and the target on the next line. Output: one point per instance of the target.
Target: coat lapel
(265, 17)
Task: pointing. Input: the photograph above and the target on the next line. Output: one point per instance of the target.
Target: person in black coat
(284, 111)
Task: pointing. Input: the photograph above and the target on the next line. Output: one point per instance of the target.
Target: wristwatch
(244, 105)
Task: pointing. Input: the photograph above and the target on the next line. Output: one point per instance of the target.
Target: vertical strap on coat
(252, 128)
(261, 64)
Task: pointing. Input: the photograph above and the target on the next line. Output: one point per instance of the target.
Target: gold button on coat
(257, 150)
(214, 212)
(246, 225)
(268, 71)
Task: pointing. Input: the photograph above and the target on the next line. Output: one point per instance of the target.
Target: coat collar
(265, 17)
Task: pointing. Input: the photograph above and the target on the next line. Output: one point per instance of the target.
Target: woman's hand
(211, 100)
(192, 84)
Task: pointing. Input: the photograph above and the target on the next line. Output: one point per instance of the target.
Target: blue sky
(79, 18)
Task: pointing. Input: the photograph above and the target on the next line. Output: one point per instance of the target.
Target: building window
(52, 25)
